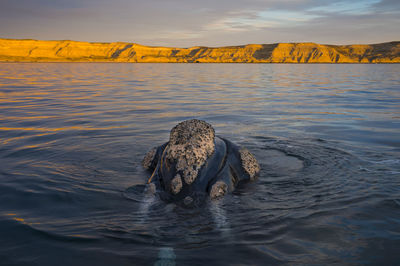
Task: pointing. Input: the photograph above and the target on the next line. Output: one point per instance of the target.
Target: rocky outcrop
(12, 50)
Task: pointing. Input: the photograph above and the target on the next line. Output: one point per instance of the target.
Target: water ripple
(72, 137)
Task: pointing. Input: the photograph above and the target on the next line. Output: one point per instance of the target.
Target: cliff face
(72, 51)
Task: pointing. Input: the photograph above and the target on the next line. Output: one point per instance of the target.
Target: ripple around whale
(295, 178)
(305, 190)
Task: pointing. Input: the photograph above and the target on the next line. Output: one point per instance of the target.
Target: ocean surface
(73, 135)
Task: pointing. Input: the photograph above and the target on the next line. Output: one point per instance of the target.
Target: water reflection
(73, 135)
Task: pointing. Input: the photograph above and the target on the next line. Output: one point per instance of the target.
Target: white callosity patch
(218, 190)
(148, 158)
(191, 143)
(188, 200)
(249, 163)
(176, 184)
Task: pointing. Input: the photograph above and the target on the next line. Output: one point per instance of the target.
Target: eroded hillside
(72, 51)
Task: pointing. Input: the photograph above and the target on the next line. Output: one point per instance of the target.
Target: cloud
(206, 22)
(347, 7)
(388, 5)
(258, 20)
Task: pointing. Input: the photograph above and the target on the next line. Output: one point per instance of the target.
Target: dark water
(73, 135)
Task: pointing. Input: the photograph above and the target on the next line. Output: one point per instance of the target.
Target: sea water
(72, 188)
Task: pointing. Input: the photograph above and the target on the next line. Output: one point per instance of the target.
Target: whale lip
(218, 190)
(249, 163)
(176, 184)
(149, 158)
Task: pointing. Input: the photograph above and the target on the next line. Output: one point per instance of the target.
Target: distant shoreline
(14, 50)
(189, 63)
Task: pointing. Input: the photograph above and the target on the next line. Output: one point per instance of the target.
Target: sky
(185, 23)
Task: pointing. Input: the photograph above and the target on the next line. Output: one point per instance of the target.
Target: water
(72, 137)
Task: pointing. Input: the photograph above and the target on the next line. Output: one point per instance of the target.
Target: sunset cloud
(211, 23)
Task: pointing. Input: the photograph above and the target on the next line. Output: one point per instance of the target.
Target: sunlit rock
(72, 51)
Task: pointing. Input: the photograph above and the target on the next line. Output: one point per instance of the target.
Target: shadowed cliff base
(12, 50)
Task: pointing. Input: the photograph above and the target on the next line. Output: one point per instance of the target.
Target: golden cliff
(71, 51)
